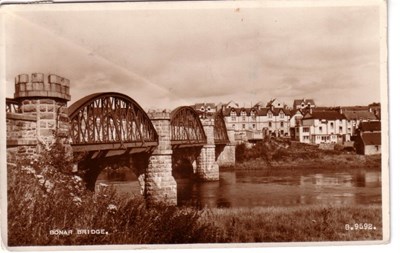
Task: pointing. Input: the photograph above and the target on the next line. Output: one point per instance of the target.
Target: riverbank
(296, 155)
(326, 162)
(298, 224)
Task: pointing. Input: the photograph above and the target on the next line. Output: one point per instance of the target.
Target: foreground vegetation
(297, 224)
(46, 200)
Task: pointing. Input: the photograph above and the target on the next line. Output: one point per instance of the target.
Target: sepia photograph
(195, 124)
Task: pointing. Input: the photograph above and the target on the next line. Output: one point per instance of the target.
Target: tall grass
(301, 224)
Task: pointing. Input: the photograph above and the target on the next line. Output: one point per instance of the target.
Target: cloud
(167, 57)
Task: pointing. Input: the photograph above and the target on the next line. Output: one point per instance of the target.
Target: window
(305, 138)
(254, 126)
(253, 115)
(281, 115)
(306, 130)
(233, 125)
(270, 115)
(320, 128)
(269, 124)
(281, 124)
(331, 124)
(243, 114)
(244, 126)
(340, 129)
(233, 115)
(202, 108)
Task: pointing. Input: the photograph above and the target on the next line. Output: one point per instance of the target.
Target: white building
(323, 127)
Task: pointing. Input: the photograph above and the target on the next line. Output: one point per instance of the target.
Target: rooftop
(371, 138)
(370, 126)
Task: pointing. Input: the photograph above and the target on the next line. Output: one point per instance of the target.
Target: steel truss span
(186, 128)
(12, 106)
(106, 121)
(220, 132)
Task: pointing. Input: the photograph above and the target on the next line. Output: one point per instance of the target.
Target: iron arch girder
(110, 118)
(220, 131)
(186, 128)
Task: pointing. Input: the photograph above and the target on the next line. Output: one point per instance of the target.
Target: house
(256, 122)
(356, 115)
(303, 103)
(368, 143)
(205, 109)
(375, 108)
(276, 121)
(296, 115)
(230, 104)
(368, 138)
(323, 126)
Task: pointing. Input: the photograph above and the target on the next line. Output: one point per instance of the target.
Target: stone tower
(44, 97)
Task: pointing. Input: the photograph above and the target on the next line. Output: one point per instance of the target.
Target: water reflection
(274, 188)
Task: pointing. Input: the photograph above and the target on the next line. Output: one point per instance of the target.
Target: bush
(259, 150)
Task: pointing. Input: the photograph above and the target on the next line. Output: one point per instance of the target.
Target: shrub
(259, 150)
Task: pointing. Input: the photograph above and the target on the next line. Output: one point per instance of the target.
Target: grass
(297, 224)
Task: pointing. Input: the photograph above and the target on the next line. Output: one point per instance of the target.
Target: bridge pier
(207, 167)
(226, 155)
(160, 185)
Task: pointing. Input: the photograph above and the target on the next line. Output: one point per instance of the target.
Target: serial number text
(360, 226)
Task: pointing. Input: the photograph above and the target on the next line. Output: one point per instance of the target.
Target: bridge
(111, 130)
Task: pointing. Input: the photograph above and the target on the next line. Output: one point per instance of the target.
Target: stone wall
(21, 136)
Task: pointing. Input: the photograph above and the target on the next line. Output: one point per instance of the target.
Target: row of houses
(304, 122)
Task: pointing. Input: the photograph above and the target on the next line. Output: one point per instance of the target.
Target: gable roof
(371, 138)
(370, 126)
(359, 115)
(328, 115)
(297, 102)
(205, 105)
(258, 112)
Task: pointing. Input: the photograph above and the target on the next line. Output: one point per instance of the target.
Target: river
(253, 188)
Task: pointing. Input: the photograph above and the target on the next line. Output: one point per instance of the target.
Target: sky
(167, 57)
